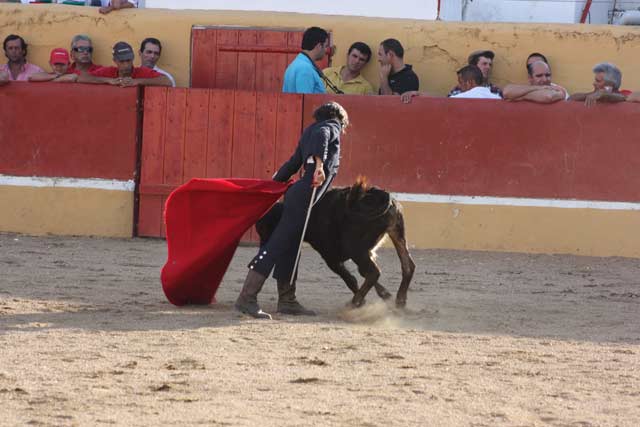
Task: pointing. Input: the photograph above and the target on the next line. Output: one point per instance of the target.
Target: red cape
(205, 220)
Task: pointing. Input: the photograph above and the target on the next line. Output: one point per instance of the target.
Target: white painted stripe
(89, 183)
(514, 201)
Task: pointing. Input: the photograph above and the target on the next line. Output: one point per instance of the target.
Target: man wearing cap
(81, 54)
(17, 68)
(348, 78)
(540, 88)
(483, 59)
(59, 62)
(124, 74)
(150, 50)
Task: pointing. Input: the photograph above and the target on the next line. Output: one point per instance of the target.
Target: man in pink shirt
(17, 68)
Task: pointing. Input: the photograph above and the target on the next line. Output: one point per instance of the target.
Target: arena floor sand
(489, 339)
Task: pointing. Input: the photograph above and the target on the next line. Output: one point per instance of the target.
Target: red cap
(59, 55)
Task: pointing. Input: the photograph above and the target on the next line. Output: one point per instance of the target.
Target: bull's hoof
(401, 303)
(385, 295)
(357, 303)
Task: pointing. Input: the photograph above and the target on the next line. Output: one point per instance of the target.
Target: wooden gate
(243, 58)
(210, 133)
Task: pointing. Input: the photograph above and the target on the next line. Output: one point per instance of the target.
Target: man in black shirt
(396, 77)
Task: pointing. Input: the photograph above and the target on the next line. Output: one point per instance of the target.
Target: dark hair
(394, 46)
(151, 40)
(539, 55)
(363, 48)
(471, 73)
(12, 37)
(475, 56)
(332, 110)
(312, 36)
(530, 67)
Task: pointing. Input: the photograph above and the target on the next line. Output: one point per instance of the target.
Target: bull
(350, 224)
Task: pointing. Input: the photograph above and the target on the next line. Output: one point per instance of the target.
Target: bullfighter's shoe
(287, 302)
(247, 301)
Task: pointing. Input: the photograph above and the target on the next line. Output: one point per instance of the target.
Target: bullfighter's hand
(318, 178)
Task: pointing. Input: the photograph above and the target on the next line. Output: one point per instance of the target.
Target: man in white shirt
(471, 82)
(150, 51)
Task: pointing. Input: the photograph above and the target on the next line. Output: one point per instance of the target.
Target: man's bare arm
(515, 92)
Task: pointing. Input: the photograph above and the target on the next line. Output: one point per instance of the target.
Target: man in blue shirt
(302, 75)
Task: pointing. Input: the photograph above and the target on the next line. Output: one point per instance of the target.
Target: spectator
(540, 88)
(606, 86)
(472, 82)
(124, 74)
(82, 54)
(109, 6)
(150, 51)
(483, 59)
(396, 77)
(17, 68)
(348, 78)
(59, 61)
(535, 57)
(302, 75)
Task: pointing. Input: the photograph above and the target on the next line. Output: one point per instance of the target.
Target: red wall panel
(491, 148)
(206, 133)
(62, 130)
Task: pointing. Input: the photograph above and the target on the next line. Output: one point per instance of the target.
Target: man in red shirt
(81, 54)
(124, 74)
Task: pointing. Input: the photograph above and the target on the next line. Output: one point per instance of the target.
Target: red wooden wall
(491, 148)
(243, 58)
(73, 131)
(210, 134)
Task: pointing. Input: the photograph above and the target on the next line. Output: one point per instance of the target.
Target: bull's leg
(382, 291)
(371, 273)
(397, 236)
(349, 279)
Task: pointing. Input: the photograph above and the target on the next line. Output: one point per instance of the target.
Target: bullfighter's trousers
(280, 251)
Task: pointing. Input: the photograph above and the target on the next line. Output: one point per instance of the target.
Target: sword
(304, 230)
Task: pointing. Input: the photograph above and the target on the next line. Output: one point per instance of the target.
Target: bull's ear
(363, 182)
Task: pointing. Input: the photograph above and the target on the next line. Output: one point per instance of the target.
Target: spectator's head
(605, 76)
(469, 77)
(150, 50)
(390, 51)
(81, 49)
(535, 57)
(315, 41)
(358, 56)
(539, 73)
(59, 60)
(332, 110)
(15, 48)
(123, 57)
(483, 59)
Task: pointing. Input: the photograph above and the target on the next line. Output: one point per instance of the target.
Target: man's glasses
(83, 49)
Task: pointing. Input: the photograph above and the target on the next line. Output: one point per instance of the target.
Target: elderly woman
(318, 153)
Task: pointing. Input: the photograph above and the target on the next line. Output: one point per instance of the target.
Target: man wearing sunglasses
(81, 54)
(540, 89)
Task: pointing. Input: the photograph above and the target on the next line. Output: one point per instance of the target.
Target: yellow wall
(436, 49)
(592, 232)
(66, 211)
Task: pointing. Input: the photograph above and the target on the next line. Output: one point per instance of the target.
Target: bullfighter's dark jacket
(321, 139)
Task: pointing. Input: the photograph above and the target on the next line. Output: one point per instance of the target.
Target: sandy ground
(489, 339)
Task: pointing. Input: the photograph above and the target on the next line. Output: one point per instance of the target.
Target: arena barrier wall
(500, 176)
(471, 174)
(68, 159)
